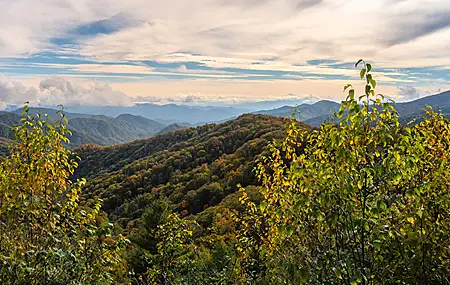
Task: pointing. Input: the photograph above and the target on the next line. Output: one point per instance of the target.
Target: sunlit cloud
(223, 50)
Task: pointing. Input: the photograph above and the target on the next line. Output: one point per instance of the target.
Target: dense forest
(254, 200)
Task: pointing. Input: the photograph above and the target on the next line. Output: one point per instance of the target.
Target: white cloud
(275, 35)
(15, 92)
(57, 90)
(293, 31)
(105, 70)
(244, 31)
(205, 99)
(81, 92)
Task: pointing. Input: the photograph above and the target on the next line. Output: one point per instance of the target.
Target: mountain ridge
(91, 129)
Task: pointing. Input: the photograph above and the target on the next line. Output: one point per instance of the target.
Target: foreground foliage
(365, 201)
(46, 236)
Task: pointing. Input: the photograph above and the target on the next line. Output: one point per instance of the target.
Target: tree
(161, 249)
(47, 236)
(361, 201)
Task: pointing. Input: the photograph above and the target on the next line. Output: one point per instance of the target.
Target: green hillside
(194, 168)
(3, 146)
(106, 130)
(142, 123)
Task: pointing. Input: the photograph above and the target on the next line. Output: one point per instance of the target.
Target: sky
(117, 53)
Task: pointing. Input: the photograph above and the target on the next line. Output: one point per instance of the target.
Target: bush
(46, 236)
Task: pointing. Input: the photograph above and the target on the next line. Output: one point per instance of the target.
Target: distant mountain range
(170, 113)
(115, 125)
(88, 129)
(52, 113)
(322, 111)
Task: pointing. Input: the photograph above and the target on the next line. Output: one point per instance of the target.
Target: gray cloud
(303, 4)
(408, 93)
(409, 26)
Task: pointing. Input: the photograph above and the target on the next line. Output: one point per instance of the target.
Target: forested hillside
(105, 130)
(194, 168)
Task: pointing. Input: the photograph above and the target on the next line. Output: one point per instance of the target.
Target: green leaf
(360, 184)
(420, 214)
(362, 73)
(351, 94)
(368, 88)
(369, 67)
(289, 230)
(262, 206)
(381, 205)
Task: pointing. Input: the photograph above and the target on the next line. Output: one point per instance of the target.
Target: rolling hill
(412, 109)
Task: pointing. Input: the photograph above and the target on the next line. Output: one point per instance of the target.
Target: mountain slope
(412, 109)
(304, 111)
(172, 128)
(7, 120)
(194, 168)
(106, 130)
(142, 123)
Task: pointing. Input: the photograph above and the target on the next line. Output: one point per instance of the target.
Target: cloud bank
(257, 43)
(292, 31)
(56, 90)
